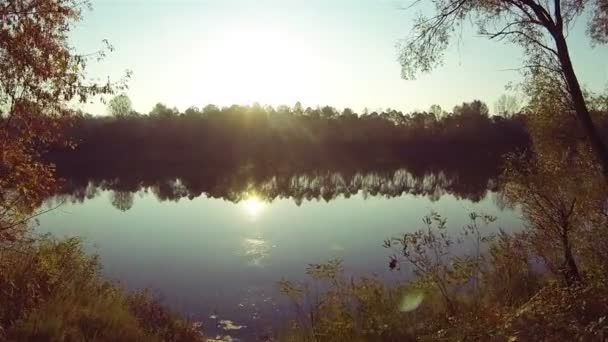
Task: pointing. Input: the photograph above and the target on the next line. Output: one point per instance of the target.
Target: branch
(571, 210)
(31, 217)
(525, 11)
(541, 13)
(504, 29)
(439, 19)
(32, 10)
(532, 66)
(559, 21)
(414, 3)
(505, 32)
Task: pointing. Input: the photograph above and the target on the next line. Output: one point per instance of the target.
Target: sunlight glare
(256, 250)
(253, 206)
(258, 65)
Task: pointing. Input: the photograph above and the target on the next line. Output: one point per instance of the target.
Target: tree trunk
(571, 273)
(580, 106)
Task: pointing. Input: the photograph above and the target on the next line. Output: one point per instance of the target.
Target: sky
(320, 52)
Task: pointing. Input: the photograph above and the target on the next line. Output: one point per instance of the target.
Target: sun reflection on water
(256, 251)
(253, 206)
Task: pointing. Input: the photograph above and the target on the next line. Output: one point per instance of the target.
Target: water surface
(216, 257)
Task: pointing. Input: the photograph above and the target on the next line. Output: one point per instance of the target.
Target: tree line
(309, 137)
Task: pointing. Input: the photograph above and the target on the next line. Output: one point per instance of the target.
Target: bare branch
(31, 217)
(504, 32)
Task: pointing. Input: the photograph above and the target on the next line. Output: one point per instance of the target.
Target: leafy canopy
(40, 77)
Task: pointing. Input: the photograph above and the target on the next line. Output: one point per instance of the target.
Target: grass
(51, 290)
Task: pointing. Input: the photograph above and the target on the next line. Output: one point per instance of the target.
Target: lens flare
(411, 301)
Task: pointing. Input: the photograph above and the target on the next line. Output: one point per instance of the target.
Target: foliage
(39, 75)
(598, 24)
(429, 251)
(264, 138)
(536, 26)
(539, 27)
(556, 205)
(349, 309)
(495, 293)
(120, 106)
(563, 206)
(507, 105)
(547, 282)
(556, 313)
(242, 131)
(51, 290)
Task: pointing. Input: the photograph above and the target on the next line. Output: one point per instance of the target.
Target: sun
(258, 65)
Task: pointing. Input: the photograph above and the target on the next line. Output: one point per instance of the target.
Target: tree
(507, 105)
(472, 109)
(39, 76)
(559, 205)
(347, 112)
(162, 111)
(328, 112)
(122, 200)
(539, 27)
(210, 109)
(120, 106)
(192, 112)
(298, 109)
(437, 111)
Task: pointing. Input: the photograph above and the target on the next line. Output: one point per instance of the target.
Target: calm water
(219, 257)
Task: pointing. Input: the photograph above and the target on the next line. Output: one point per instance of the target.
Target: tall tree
(39, 76)
(540, 27)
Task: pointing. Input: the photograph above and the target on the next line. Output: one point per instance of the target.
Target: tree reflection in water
(252, 186)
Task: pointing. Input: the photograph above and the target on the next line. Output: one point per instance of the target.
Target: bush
(498, 295)
(51, 290)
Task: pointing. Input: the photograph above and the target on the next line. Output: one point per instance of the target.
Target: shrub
(51, 290)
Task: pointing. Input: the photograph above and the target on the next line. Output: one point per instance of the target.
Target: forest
(240, 135)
